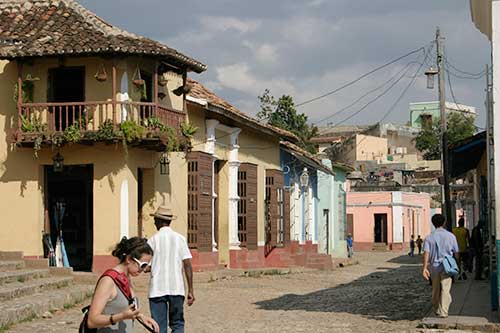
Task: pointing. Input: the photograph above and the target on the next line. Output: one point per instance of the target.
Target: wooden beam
(155, 90)
(114, 90)
(19, 93)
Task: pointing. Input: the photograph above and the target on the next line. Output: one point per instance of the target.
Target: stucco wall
(370, 148)
(407, 206)
(21, 175)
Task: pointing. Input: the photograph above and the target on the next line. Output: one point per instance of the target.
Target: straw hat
(164, 213)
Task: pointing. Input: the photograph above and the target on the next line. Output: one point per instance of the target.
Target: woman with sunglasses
(110, 310)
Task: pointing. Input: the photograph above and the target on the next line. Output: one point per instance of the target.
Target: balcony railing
(88, 116)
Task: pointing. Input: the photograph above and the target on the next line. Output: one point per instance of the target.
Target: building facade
(385, 220)
(92, 116)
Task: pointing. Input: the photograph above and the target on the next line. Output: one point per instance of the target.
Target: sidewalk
(469, 310)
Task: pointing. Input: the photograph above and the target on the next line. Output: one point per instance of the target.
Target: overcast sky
(306, 48)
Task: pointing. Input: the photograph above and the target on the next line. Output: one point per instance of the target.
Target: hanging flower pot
(162, 81)
(136, 79)
(101, 74)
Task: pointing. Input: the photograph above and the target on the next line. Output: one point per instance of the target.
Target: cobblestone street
(384, 293)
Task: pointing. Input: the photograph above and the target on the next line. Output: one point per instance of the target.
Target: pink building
(386, 220)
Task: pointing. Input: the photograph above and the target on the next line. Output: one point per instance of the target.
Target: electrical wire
(360, 78)
(480, 74)
(404, 69)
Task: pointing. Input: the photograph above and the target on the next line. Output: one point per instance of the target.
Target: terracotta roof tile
(199, 91)
(35, 28)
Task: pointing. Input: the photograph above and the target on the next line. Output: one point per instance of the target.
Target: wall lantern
(430, 77)
(58, 164)
(304, 178)
(164, 165)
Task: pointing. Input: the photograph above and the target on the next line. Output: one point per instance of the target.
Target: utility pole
(444, 138)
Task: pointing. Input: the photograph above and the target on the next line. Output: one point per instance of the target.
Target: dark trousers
(479, 264)
(168, 311)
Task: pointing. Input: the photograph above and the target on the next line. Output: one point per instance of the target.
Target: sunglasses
(142, 264)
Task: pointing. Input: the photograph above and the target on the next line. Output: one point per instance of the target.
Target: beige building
(235, 181)
(106, 104)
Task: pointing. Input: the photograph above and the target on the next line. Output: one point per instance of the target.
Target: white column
(214, 196)
(234, 163)
(297, 213)
(210, 125)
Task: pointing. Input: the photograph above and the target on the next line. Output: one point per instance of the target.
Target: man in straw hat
(166, 288)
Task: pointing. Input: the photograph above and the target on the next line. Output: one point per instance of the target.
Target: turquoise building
(425, 113)
(331, 210)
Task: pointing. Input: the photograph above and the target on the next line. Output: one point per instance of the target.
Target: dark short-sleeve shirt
(448, 246)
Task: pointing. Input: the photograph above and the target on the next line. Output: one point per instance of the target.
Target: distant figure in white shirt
(166, 288)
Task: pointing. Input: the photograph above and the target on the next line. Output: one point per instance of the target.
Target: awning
(466, 154)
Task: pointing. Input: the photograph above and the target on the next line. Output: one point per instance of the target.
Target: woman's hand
(130, 313)
(150, 322)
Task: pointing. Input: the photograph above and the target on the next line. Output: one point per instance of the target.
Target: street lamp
(164, 165)
(58, 164)
(430, 77)
(304, 183)
(304, 178)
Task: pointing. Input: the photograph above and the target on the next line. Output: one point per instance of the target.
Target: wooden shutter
(247, 205)
(200, 201)
(277, 223)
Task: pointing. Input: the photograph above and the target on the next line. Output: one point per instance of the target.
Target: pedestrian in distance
(439, 244)
(111, 309)
(477, 246)
(349, 241)
(166, 288)
(462, 235)
(419, 243)
(412, 246)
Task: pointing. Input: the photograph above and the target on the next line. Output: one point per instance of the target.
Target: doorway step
(29, 288)
(379, 247)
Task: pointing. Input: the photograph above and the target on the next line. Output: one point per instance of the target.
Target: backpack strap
(121, 281)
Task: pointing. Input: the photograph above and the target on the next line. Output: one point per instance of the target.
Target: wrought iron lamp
(430, 77)
(164, 165)
(304, 178)
(58, 162)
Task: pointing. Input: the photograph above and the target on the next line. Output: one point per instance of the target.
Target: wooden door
(277, 211)
(200, 201)
(247, 205)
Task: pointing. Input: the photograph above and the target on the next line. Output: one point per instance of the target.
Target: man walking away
(412, 247)
(436, 246)
(462, 235)
(349, 246)
(477, 245)
(166, 288)
(419, 242)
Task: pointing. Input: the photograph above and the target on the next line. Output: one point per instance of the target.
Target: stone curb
(202, 277)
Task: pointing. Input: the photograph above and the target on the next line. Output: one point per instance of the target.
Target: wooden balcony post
(19, 93)
(155, 90)
(114, 91)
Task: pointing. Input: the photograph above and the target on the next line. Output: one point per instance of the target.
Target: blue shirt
(349, 241)
(448, 246)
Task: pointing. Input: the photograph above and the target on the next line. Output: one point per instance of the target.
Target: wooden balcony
(50, 119)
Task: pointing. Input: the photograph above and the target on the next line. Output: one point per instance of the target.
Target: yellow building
(104, 104)
(236, 212)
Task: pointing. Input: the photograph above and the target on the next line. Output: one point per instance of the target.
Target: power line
(361, 77)
(404, 69)
(480, 74)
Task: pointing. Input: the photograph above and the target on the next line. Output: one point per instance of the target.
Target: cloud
(264, 53)
(240, 77)
(224, 24)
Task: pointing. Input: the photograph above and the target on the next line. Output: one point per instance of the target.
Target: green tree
(282, 113)
(459, 127)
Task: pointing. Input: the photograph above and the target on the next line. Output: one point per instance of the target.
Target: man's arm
(188, 271)
(425, 272)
